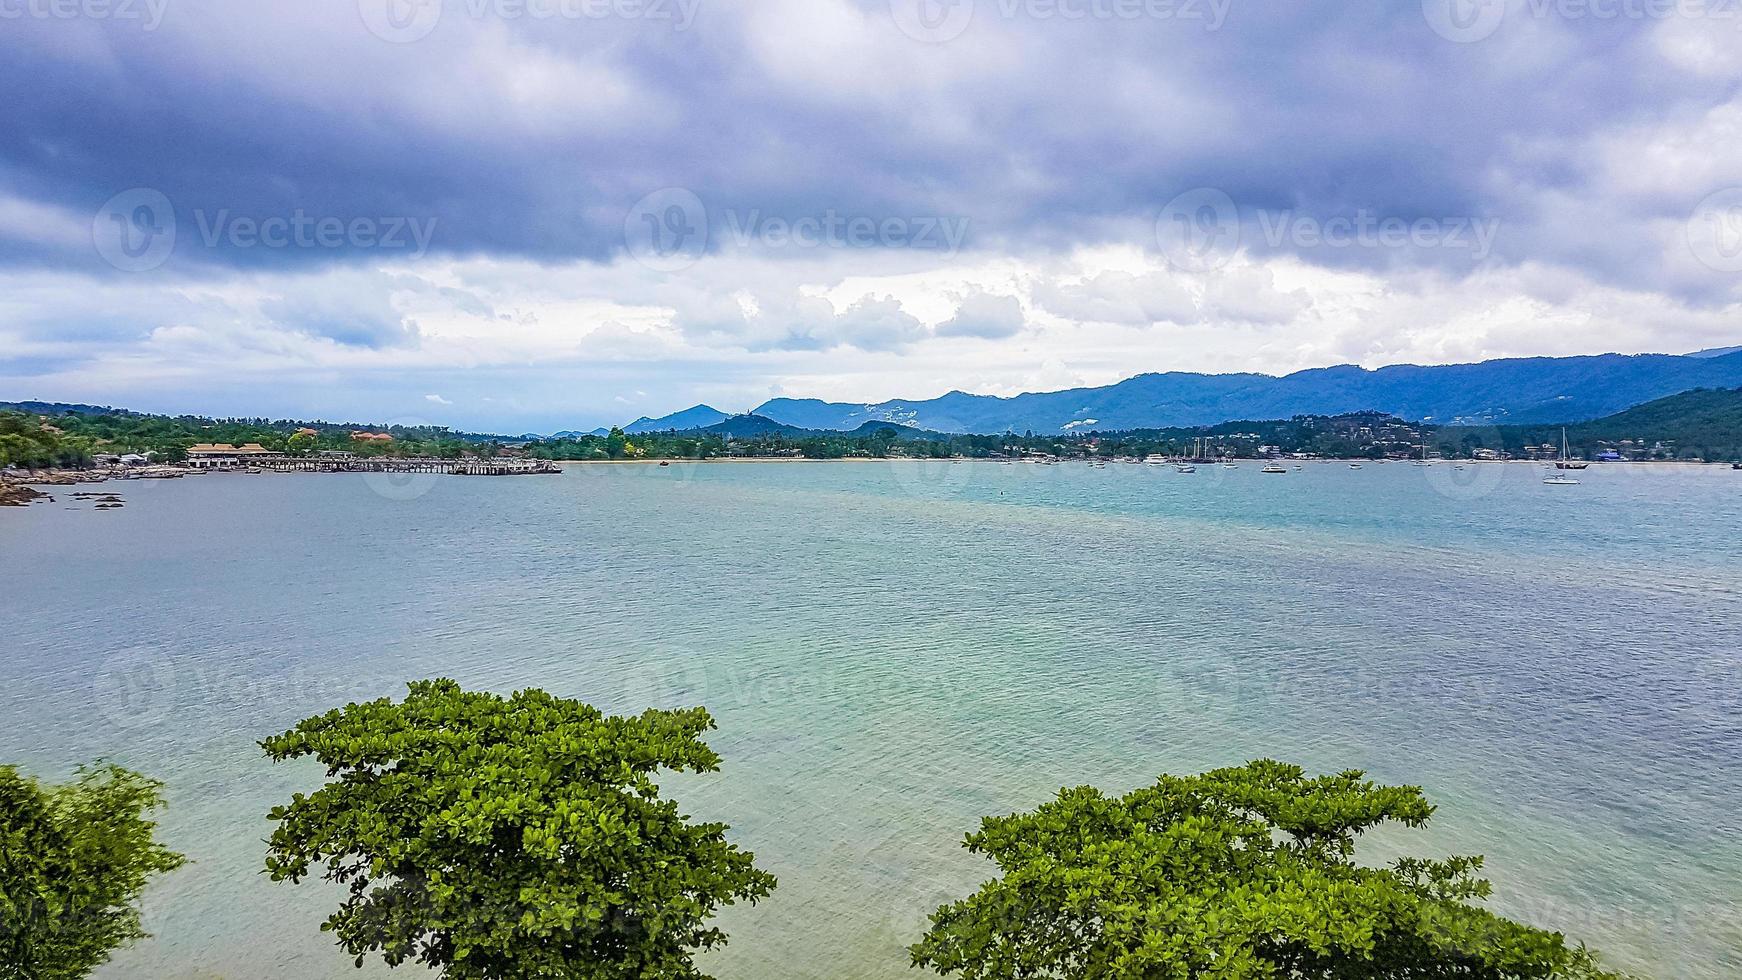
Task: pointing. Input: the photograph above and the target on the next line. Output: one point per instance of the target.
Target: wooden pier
(456, 467)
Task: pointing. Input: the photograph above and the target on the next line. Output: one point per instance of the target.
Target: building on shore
(223, 456)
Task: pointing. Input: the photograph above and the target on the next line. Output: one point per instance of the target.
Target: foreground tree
(1236, 873)
(73, 862)
(496, 837)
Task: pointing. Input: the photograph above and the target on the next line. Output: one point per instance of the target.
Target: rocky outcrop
(17, 494)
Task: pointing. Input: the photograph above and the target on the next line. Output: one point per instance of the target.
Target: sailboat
(1560, 478)
(1424, 461)
(1566, 461)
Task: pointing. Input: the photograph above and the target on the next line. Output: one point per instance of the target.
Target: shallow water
(894, 650)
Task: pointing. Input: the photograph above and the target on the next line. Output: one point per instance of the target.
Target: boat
(1229, 464)
(1274, 468)
(1566, 462)
(1155, 459)
(1185, 468)
(1423, 461)
(1736, 466)
(1354, 466)
(1298, 467)
(1561, 480)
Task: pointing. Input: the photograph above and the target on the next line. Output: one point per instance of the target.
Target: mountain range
(1512, 391)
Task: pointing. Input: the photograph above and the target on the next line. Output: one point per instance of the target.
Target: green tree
(300, 443)
(1237, 873)
(497, 837)
(616, 443)
(73, 862)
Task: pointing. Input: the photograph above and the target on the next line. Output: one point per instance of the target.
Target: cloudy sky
(516, 215)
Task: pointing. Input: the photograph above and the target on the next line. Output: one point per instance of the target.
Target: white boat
(1230, 465)
(1561, 480)
(1185, 468)
(1274, 468)
(1155, 459)
(1354, 466)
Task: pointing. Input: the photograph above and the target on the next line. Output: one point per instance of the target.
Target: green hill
(1705, 423)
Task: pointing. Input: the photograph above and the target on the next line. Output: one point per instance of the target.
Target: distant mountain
(901, 431)
(698, 417)
(1512, 391)
(1715, 351)
(565, 434)
(749, 425)
(62, 408)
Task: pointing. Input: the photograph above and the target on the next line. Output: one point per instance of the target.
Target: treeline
(1704, 424)
(1357, 434)
(70, 439)
(28, 442)
(490, 838)
(1699, 424)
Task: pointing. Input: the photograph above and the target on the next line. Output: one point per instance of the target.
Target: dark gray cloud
(533, 136)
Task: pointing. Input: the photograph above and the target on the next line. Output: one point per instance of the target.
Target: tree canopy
(1245, 872)
(497, 837)
(73, 862)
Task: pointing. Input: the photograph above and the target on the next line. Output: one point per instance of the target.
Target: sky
(532, 215)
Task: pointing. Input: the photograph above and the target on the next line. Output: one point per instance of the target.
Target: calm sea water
(894, 650)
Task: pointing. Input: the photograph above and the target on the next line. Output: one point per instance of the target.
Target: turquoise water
(894, 650)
